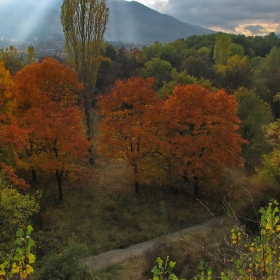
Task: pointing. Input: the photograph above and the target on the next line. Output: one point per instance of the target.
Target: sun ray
(121, 13)
(32, 20)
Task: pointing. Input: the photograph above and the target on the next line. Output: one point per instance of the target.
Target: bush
(15, 212)
(64, 266)
(19, 262)
(246, 257)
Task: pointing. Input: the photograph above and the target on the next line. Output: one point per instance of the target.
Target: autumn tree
(84, 24)
(125, 131)
(47, 106)
(234, 73)
(12, 137)
(59, 140)
(202, 132)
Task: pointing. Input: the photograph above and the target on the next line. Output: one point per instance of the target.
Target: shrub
(65, 265)
(16, 210)
(20, 259)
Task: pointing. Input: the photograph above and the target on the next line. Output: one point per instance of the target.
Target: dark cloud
(225, 14)
(255, 29)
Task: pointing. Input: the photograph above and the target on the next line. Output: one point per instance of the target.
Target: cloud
(255, 29)
(225, 15)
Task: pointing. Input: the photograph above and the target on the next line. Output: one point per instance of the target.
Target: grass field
(101, 210)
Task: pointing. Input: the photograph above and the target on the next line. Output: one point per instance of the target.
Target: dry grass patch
(102, 210)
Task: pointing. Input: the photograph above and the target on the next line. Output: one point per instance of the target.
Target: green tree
(84, 24)
(30, 57)
(234, 73)
(153, 51)
(222, 48)
(197, 67)
(169, 54)
(269, 72)
(254, 113)
(271, 162)
(235, 49)
(182, 78)
(158, 69)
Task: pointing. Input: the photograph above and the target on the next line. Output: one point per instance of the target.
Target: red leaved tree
(58, 135)
(202, 131)
(125, 131)
(47, 105)
(12, 137)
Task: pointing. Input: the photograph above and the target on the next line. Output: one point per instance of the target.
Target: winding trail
(112, 257)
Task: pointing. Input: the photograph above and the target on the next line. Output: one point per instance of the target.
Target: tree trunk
(59, 182)
(34, 175)
(89, 125)
(136, 184)
(195, 184)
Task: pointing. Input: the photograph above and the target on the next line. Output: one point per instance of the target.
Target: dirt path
(112, 257)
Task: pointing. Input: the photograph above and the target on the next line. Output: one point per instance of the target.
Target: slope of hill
(128, 22)
(134, 22)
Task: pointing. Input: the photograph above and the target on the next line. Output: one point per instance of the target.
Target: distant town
(51, 45)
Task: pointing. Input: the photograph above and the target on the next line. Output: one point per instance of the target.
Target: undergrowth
(102, 211)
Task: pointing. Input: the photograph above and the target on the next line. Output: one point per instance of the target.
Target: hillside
(134, 22)
(128, 22)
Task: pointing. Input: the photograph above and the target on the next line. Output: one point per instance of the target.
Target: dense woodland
(180, 116)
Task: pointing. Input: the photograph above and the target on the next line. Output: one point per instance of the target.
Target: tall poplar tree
(84, 24)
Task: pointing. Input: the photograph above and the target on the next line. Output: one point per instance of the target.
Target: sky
(249, 17)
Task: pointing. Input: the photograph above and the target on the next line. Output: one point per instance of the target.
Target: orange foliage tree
(46, 97)
(12, 137)
(194, 133)
(58, 135)
(125, 131)
(202, 131)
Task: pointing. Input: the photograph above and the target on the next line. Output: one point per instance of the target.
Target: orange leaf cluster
(192, 132)
(12, 137)
(202, 129)
(46, 95)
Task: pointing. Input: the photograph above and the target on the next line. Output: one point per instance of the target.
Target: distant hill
(134, 22)
(128, 22)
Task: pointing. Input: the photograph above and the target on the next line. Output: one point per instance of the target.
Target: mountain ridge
(129, 21)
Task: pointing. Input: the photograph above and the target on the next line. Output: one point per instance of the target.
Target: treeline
(246, 67)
